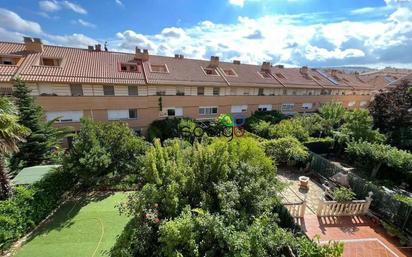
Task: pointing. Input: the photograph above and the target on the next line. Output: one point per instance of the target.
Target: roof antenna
(105, 46)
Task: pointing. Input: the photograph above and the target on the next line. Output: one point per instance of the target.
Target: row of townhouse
(139, 88)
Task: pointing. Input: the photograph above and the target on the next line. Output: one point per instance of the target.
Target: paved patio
(360, 235)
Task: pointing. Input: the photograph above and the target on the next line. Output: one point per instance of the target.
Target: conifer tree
(37, 148)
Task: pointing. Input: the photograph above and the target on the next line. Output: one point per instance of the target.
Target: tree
(101, 148)
(11, 133)
(392, 114)
(43, 137)
(358, 126)
(332, 114)
(286, 150)
(291, 127)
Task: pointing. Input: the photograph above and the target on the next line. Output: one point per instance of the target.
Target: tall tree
(43, 137)
(392, 114)
(10, 134)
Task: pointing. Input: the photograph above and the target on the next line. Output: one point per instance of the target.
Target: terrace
(350, 223)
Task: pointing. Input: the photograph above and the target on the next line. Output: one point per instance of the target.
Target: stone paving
(293, 193)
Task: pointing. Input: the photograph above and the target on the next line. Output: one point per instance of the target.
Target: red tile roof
(86, 66)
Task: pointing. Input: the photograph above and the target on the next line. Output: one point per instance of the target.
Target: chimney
(177, 56)
(279, 66)
(266, 66)
(98, 47)
(142, 55)
(236, 62)
(304, 70)
(90, 48)
(334, 73)
(214, 61)
(33, 45)
(181, 56)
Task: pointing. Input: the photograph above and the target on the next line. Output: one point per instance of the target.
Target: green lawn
(87, 227)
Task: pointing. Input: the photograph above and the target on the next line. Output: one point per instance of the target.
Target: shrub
(168, 128)
(30, 205)
(343, 194)
(320, 145)
(286, 149)
(373, 156)
(101, 148)
(291, 127)
(332, 114)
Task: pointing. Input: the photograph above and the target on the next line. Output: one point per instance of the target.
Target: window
(288, 107)
(9, 60)
(129, 67)
(180, 91)
(285, 92)
(68, 116)
(76, 90)
(5, 91)
(200, 91)
(264, 107)
(265, 74)
(108, 90)
(230, 72)
(160, 92)
(246, 91)
(307, 106)
(216, 91)
(210, 71)
(132, 113)
(160, 68)
(172, 112)
(260, 92)
(208, 110)
(238, 108)
(50, 61)
(132, 90)
(122, 114)
(280, 75)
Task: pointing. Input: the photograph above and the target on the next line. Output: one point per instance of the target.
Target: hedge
(29, 205)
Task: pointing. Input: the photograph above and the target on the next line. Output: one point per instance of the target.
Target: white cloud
(12, 21)
(173, 32)
(237, 2)
(49, 6)
(73, 40)
(119, 2)
(85, 23)
(54, 5)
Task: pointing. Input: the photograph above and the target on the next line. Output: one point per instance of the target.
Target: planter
(304, 182)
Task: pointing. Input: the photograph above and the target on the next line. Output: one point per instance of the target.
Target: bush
(343, 194)
(168, 128)
(373, 156)
(30, 205)
(291, 127)
(272, 117)
(286, 150)
(320, 145)
(101, 148)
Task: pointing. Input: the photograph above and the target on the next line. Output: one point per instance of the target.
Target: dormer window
(265, 74)
(129, 67)
(280, 75)
(52, 62)
(160, 68)
(210, 71)
(230, 72)
(6, 60)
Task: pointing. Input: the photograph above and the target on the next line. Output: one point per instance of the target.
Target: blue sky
(375, 33)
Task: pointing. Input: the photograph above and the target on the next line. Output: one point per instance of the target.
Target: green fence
(384, 204)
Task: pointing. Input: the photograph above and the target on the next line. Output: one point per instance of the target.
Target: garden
(180, 195)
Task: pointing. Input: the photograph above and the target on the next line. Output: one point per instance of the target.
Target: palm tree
(11, 133)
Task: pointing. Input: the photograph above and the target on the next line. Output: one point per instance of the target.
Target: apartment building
(139, 88)
(386, 78)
